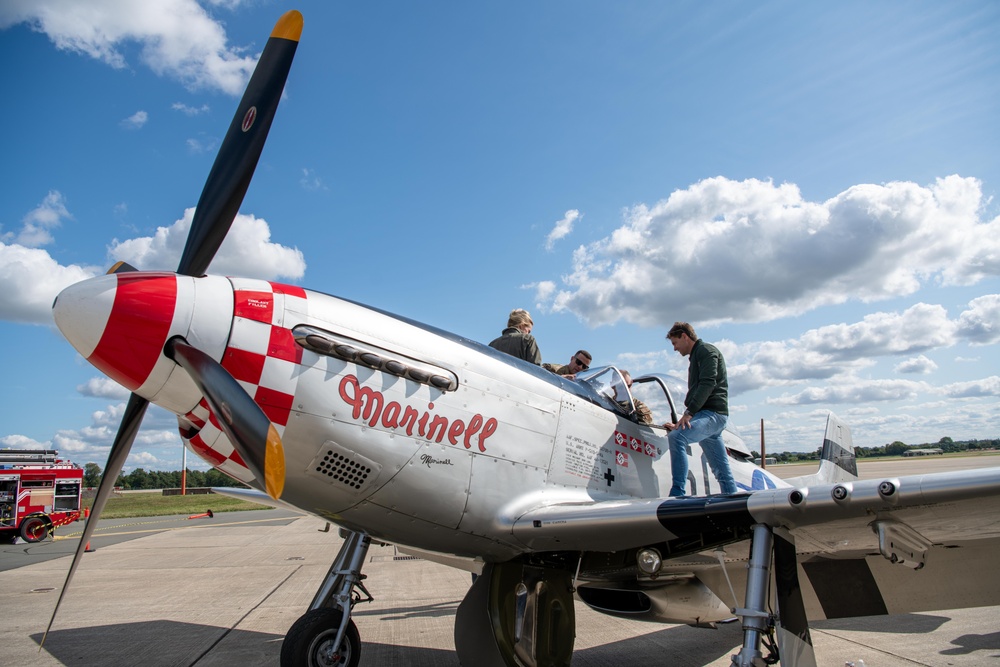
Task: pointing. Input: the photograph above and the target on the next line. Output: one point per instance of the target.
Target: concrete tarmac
(223, 591)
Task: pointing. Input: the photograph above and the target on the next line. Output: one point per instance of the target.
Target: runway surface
(223, 591)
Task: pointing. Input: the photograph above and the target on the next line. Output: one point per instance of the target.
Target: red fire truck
(38, 493)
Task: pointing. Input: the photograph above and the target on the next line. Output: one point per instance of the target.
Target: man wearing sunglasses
(578, 363)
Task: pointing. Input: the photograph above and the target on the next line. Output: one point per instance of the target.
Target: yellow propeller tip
(289, 26)
(274, 464)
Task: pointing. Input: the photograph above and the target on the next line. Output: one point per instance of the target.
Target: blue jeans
(706, 427)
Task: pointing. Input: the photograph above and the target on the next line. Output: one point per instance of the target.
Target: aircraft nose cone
(119, 322)
(82, 311)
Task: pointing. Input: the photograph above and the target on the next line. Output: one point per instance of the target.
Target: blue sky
(812, 186)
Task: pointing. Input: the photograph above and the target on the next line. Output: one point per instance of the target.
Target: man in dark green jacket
(516, 340)
(706, 413)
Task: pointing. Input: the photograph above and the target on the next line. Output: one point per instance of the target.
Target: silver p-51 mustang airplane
(545, 487)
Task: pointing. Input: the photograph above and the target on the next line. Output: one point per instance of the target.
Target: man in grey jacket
(706, 413)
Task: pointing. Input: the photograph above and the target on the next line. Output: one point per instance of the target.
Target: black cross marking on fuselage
(608, 476)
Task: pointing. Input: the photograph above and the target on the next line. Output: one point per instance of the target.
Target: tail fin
(837, 461)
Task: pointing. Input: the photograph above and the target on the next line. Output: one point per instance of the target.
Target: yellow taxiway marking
(72, 536)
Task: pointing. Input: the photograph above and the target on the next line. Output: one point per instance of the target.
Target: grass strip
(154, 503)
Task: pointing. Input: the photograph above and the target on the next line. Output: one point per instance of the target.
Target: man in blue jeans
(707, 410)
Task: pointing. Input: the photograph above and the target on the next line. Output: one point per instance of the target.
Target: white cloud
(38, 224)
(103, 387)
(562, 228)
(190, 111)
(136, 120)
(986, 387)
(143, 459)
(176, 38)
(30, 279)
(156, 442)
(725, 250)
(917, 364)
(310, 181)
(841, 349)
(198, 146)
(855, 391)
(17, 441)
(980, 324)
(920, 327)
(247, 250)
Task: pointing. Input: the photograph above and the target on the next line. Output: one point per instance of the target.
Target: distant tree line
(157, 479)
(897, 448)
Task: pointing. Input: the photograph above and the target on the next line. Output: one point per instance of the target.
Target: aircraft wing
(866, 547)
(940, 507)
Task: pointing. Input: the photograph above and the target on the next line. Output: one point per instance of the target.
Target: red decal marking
(369, 404)
(256, 306)
(137, 327)
(249, 118)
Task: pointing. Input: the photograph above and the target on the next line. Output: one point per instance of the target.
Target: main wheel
(34, 529)
(309, 641)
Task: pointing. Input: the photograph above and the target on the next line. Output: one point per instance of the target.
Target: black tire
(312, 634)
(34, 529)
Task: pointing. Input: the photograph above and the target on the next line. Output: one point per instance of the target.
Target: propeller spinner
(121, 321)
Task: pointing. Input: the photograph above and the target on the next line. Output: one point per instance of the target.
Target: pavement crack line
(243, 617)
(874, 649)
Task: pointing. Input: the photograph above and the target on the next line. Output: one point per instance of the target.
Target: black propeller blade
(237, 158)
(244, 422)
(248, 428)
(127, 430)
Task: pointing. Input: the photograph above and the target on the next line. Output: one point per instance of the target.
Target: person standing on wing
(707, 404)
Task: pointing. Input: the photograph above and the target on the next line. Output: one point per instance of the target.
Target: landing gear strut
(790, 627)
(325, 636)
(756, 620)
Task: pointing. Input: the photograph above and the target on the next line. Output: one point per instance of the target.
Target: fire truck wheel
(34, 529)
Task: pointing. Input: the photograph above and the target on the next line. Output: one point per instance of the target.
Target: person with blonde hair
(516, 340)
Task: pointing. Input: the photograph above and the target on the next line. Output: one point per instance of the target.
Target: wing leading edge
(893, 545)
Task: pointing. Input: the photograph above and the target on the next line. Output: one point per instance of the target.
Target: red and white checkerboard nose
(119, 322)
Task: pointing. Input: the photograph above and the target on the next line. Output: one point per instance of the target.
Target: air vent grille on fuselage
(344, 468)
